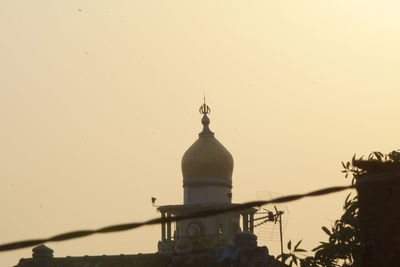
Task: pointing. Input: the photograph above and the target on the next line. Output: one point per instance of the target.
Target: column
(245, 222)
(169, 226)
(252, 222)
(163, 227)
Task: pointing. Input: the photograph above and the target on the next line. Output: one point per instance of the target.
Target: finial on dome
(205, 110)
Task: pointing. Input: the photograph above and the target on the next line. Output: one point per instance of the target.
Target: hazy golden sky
(99, 99)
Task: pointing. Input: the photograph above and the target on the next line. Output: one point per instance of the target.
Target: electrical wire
(201, 214)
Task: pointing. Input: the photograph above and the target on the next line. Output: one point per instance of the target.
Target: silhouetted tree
(343, 247)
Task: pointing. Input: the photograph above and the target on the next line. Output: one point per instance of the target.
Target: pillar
(163, 226)
(252, 222)
(245, 222)
(169, 226)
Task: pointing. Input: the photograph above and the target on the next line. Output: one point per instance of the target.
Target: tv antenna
(270, 220)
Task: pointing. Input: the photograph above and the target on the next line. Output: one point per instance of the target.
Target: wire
(205, 213)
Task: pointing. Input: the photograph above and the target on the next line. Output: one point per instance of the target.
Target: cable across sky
(134, 225)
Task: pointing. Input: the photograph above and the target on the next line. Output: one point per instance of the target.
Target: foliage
(343, 247)
(291, 257)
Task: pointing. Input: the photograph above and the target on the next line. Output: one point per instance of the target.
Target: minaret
(207, 167)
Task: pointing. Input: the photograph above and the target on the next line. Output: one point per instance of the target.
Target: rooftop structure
(207, 168)
(226, 239)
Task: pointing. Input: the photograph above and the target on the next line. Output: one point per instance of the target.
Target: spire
(205, 110)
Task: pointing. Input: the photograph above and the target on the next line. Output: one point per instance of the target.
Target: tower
(207, 168)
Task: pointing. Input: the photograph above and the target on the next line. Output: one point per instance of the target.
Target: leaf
(300, 250)
(295, 260)
(347, 198)
(326, 230)
(317, 248)
(297, 245)
(378, 155)
(289, 245)
(284, 257)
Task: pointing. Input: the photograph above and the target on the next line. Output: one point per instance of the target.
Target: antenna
(270, 223)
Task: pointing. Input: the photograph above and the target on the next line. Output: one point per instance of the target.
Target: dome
(207, 157)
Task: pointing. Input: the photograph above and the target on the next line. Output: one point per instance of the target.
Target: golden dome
(207, 157)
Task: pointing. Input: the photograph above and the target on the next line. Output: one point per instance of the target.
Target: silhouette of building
(225, 239)
(207, 168)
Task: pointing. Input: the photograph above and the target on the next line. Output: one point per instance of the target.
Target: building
(225, 239)
(207, 168)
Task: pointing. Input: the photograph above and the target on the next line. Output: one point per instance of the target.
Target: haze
(99, 100)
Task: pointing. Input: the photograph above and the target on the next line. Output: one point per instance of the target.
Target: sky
(99, 100)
